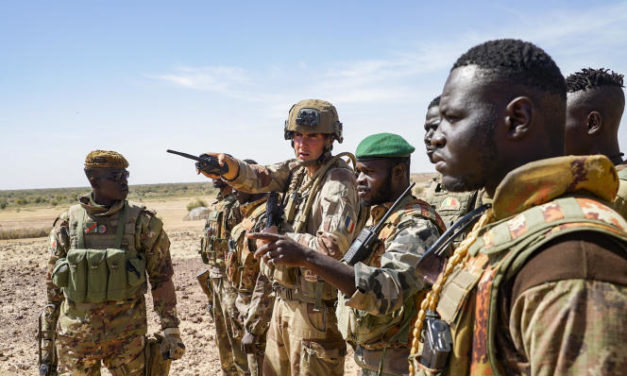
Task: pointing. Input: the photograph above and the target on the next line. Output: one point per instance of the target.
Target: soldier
(100, 252)
(320, 212)
(224, 216)
(538, 286)
(594, 106)
(449, 205)
(242, 271)
(377, 295)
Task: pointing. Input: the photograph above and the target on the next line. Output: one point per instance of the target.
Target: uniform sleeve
(571, 327)
(260, 309)
(58, 246)
(156, 245)
(382, 290)
(339, 212)
(257, 178)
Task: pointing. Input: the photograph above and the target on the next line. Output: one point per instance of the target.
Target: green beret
(383, 145)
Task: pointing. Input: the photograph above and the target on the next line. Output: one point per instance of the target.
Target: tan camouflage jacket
(242, 266)
(114, 319)
(224, 215)
(330, 226)
(559, 310)
(386, 281)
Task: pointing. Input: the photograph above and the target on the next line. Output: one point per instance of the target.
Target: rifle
(362, 246)
(274, 210)
(46, 342)
(204, 162)
(431, 263)
(205, 284)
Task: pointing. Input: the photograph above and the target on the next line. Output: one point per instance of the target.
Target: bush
(195, 204)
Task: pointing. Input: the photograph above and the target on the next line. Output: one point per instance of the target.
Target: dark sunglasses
(116, 176)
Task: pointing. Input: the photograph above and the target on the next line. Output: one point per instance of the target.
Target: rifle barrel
(391, 209)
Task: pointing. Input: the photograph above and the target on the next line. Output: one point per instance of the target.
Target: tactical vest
(620, 202)
(300, 283)
(102, 263)
(241, 265)
(214, 243)
(374, 332)
(450, 205)
(498, 254)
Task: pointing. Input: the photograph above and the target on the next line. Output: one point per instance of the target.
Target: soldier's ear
(518, 117)
(594, 122)
(399, 171)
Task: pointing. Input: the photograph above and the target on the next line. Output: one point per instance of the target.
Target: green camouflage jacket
(114, 319)
(386, 282)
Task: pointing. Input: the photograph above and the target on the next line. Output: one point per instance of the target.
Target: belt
(294, 294)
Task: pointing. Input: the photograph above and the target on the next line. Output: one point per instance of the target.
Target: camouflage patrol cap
(313, 115)
(383, 145)
(105, 159)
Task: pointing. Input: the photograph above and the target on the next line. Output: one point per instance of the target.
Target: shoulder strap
(80, 229)
(119, 232)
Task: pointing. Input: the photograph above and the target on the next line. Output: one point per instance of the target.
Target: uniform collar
(92, 208)
(541, 181)
(377, 211)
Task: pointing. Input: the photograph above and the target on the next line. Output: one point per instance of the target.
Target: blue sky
(143, 76)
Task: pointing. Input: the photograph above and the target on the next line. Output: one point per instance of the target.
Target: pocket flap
(95, 257)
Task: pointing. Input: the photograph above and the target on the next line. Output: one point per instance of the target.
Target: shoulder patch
(450, 203)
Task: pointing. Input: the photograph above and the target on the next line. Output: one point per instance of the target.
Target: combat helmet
(313, 115)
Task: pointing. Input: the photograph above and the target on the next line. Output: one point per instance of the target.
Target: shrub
(195, 204)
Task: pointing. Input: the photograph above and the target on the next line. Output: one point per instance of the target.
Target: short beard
(382, 195)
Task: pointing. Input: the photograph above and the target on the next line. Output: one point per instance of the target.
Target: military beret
(383, 145)
(105, 159)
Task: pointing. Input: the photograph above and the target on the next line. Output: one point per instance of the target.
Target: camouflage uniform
(111, 331)
(377, 317)
(257, 321)
(220, 221)
(243, 270)
(542, 289)
(620, 202)
(451, 206)
(303, 337)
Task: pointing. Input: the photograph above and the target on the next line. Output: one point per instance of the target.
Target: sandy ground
(22, 292)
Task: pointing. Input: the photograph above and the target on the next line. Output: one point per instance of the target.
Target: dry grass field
(23, 266)
(22, 290)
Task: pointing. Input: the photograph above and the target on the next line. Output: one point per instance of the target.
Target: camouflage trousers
(303, 341)
(229, 331)
(122, 357)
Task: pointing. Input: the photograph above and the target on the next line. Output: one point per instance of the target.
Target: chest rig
(376, 332)
(214, 243)
(102, 263)
(468, 302)
(299, 283)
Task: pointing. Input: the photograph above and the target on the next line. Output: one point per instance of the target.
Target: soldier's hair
(435, 102)
(250, 161)
(590, 78)
(518, 62)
